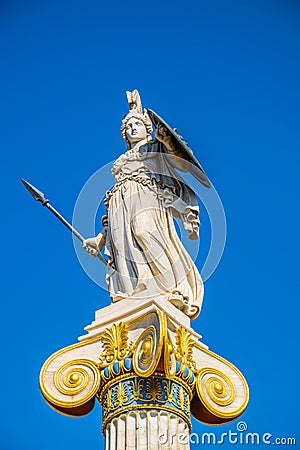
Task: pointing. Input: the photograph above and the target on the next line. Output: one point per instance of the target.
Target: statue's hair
(136, 111)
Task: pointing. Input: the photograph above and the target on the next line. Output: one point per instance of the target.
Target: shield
(195, 166)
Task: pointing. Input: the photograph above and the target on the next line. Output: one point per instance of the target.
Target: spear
(40, 197)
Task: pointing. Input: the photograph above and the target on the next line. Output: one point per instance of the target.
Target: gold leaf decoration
(135, 386)
(107, 404)
(181, 398)
(120, 395)
(184, 347)
(116, 344)
(153, 389)
(168, 390)
(109, 400)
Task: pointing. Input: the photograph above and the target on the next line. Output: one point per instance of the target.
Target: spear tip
(36, 193)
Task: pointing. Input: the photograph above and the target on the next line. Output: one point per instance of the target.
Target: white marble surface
(130, 309)
(147, 430)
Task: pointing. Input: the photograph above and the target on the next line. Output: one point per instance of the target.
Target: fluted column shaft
(147, 430)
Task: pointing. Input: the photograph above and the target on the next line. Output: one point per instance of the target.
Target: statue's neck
(137, 145)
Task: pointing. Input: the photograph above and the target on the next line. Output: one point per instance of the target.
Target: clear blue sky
(226, 73)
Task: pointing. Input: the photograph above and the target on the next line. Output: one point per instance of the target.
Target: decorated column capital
(146, 362)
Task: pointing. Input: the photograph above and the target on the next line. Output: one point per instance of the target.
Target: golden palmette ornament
(116, 344)
(184, 347)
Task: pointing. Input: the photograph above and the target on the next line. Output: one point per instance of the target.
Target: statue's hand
(104, 220)
(90, 246)
(178, 158)
(163, 135)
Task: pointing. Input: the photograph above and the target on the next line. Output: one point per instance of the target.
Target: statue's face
(135, 130)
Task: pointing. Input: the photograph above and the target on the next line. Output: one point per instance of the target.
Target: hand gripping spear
(40, 197)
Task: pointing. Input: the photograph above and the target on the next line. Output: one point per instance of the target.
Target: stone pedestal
(149, 370)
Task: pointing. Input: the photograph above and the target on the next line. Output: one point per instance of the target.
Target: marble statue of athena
(146, 258)
(140, 357)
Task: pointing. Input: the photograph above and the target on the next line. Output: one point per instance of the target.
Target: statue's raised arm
(178, 149)
(145, 255)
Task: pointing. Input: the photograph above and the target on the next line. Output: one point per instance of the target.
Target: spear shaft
(64, 221)
(40, 197)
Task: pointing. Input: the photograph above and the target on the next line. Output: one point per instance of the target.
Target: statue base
(129, 309)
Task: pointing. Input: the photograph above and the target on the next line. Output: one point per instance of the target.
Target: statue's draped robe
(146, 256)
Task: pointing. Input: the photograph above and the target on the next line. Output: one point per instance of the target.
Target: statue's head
(136, 125)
